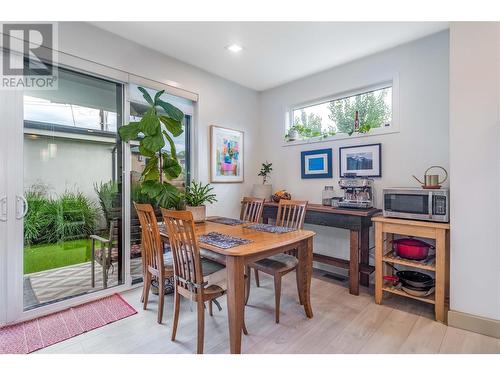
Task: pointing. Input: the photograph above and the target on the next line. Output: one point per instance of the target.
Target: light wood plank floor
(342, 323)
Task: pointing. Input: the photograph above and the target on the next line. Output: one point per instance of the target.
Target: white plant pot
(293, 135)
(262, 191)
(199, 213)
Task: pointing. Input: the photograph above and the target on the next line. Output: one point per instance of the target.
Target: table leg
(304, 274)
(235, 300)
(364, 278)
(354, 263)
(379, 248)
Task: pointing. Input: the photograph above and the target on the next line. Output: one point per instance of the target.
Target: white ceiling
(274, 52)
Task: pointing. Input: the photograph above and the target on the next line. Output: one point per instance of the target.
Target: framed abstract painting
(316, 163)
(226, 155)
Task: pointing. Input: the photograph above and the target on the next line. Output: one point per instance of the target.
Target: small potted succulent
(264, 190)
(196, 195)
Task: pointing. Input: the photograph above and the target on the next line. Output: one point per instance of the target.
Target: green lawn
(48, 256)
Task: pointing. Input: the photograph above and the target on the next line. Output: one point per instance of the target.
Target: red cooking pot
(411, 248)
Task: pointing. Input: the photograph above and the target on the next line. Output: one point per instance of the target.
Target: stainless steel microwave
(417, 204)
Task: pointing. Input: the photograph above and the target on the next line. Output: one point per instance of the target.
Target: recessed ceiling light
(234, 48)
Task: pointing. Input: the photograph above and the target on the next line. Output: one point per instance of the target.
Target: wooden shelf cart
(385, 229)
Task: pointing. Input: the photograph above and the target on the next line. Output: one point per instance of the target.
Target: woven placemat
(270, 228)
(222, 240)
(226, 221)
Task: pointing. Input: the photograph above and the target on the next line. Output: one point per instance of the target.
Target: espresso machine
(358, 192)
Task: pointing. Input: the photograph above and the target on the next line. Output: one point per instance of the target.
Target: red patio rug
(26, 337)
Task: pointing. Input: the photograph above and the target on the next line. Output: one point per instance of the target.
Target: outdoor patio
(65, 282)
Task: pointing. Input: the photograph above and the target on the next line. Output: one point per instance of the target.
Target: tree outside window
(374, 110)
(372, 107)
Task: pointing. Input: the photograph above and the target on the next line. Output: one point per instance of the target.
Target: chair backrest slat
(291, 213)
(185, 249)
(251, 209)
(152, 247)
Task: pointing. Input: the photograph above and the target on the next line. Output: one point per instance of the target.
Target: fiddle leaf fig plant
(160, 124)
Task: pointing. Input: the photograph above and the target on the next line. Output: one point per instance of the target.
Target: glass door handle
(3, 208)
(20, 213)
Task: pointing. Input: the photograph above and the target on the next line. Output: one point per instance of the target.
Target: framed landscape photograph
(364, 160)
(226, 155)
(316, 163)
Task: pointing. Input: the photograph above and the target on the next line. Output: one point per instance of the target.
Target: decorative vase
(199, 213)
(262, 191)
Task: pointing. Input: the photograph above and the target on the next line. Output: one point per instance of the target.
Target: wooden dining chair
(251, 210)
(291, 214)
(157, 266)
(198, 279)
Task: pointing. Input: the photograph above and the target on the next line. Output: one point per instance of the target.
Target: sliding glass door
(8, 100)
(72, 189)
(67, 229)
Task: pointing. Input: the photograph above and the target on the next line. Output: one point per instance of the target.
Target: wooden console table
(385, 229)
(357, 221)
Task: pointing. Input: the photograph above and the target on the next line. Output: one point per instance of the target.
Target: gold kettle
(431, 181)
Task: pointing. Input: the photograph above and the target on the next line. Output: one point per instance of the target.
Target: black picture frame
(375, 171)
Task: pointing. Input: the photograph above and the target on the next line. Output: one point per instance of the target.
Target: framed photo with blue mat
(316, 163)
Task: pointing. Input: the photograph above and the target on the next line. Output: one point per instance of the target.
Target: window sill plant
(196, 196)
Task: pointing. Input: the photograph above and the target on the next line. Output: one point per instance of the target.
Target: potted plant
(158, 127)
(264, 190)
(195, 196)
(292, 134)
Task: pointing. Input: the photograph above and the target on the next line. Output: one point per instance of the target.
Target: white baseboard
(474, 323)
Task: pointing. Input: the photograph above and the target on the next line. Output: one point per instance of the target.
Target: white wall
(422, 68)
(474, 161)
(221, 102)
(75, 167)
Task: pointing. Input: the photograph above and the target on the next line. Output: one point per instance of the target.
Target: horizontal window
(359, 113)
(81, 102)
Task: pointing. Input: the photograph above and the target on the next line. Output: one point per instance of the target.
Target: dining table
(260, 245)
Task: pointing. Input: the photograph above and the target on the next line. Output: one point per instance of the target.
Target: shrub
(69, 216)
(108, 195)
(35, 219)
(76, 217)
